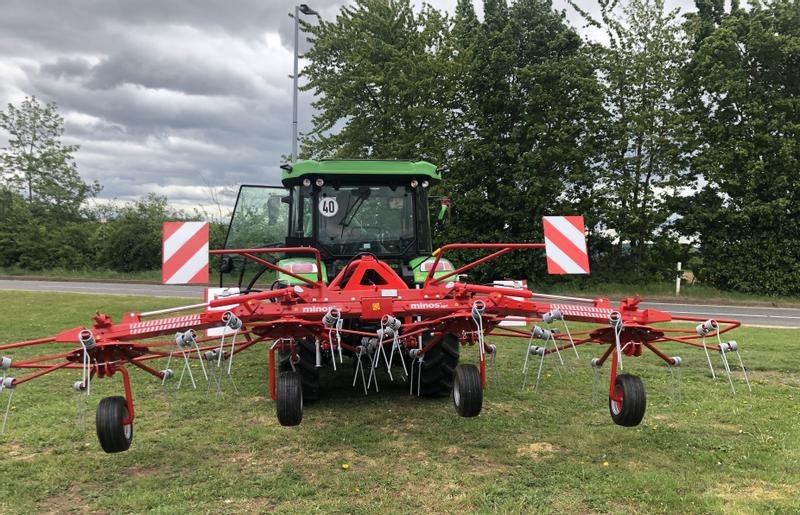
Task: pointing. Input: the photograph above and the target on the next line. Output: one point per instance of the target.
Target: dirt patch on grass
(255, 505)
(538, 450)
(68, 501)
(242, 458)
(141, 471)
(757, 491)
(774, 377)
(723, 427)
(18, 453)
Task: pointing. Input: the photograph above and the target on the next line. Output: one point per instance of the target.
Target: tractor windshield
(378, 219)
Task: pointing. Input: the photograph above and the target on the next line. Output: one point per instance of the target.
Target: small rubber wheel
(114, 436)
(289, 402)
(467, 391)
(629, 410)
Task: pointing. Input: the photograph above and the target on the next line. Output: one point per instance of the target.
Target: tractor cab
(344, 209)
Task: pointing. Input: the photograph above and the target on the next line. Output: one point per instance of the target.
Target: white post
(678, 280)
(294, 86)
(308, 11)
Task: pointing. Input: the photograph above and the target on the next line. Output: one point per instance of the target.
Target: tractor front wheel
(306, 367)
(439, 366)
(467, 391)
(627, 409)
(114, 436)
(289, 399)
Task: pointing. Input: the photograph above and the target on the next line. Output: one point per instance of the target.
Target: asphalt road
(749, 315)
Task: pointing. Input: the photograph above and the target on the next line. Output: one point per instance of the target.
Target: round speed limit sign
(328, 206)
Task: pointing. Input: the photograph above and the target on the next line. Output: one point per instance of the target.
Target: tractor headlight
(442, 266)
(302, 268)
(319, 182)
(425, 184)
(306, 182)
(414, 183)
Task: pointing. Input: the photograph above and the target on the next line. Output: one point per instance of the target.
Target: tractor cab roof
(359, 170)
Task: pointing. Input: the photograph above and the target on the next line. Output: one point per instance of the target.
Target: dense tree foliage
(642, 132)
(525, 146)
(381, 72)
(743, 82)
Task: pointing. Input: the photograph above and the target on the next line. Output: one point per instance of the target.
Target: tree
(641, 166)
(131, 241)
(381, 75)
(36, 163)
(743, 89)
(530, 95)
(34, 242)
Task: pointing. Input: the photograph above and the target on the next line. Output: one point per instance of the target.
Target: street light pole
(304, 9)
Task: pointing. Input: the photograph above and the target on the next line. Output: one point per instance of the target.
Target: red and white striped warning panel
(185, 253)
(565, 245)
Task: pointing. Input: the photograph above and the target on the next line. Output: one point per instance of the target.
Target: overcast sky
(175, 97)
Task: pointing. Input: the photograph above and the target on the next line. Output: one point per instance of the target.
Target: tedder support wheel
(114, 436)
(467, 392)
(439, 366)
(307, 367)
(629, 410)
(289, 401)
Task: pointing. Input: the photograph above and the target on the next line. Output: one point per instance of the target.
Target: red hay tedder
(355, 278)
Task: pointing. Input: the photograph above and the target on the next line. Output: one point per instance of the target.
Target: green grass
(93, 274)
(527, 451)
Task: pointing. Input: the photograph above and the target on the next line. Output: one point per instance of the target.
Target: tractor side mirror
(226, 265)
(444, 206)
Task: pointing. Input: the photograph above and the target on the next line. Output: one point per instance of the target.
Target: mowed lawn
(550, 450)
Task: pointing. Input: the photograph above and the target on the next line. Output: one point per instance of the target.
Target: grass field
(153, 276)
(527, 452)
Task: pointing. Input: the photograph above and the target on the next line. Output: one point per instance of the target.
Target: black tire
(289, 401)
(630, 411)
(307, 367)
(439, 366)
(114, 436)
(467, 391)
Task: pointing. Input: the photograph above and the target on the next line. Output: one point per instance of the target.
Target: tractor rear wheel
(439, 366)
(289, 399)
(629, 409)
(467, 391)
(307, 367)
(114, 436)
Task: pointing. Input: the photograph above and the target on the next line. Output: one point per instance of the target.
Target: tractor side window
(302, 213)
(259, 219)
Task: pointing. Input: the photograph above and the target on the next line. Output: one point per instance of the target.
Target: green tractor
(345, 209)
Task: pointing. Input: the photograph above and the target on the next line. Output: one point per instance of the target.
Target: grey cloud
(67, 67)
(130, 67)
(82, 26)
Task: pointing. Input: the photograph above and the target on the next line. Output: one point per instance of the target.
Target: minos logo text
(428, 305)
(314, 309)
